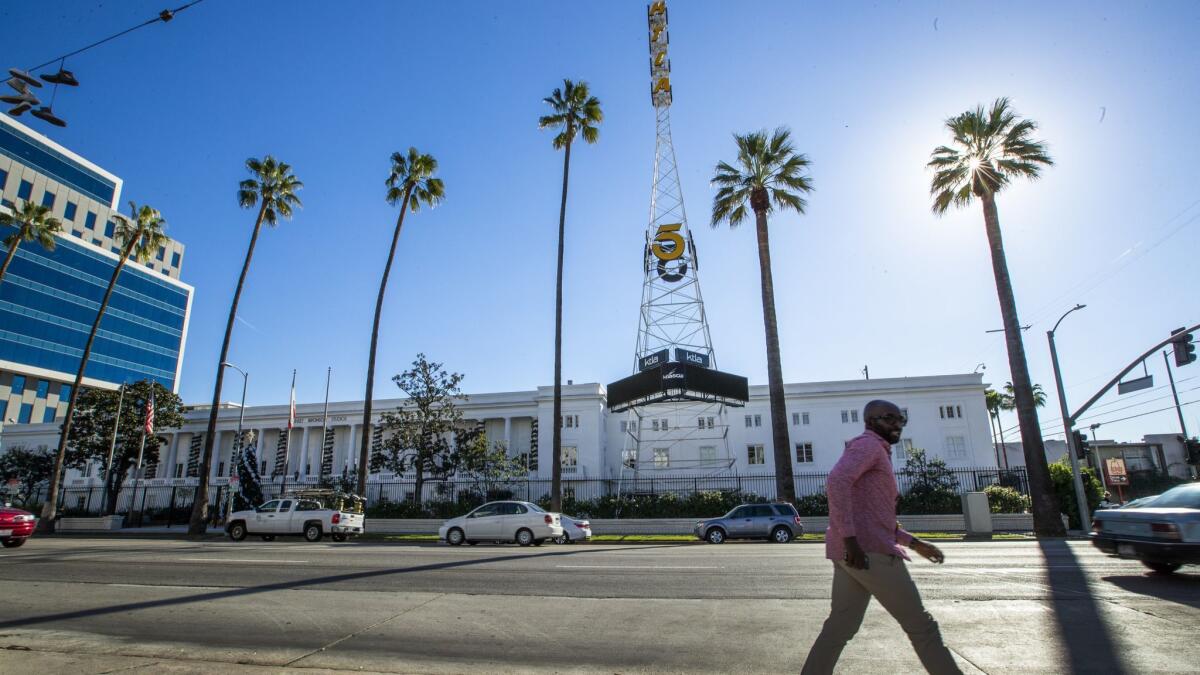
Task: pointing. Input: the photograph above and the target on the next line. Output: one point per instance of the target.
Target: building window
(704, 422)
(629, 458)
(18, 385)
(175, 259)
(664, 425)
(64, 393)
(749, 421)
(89, 222)
(956, 447)
(179, 471)
(220, 468)
(25, 414)
(69, 211)
(43, 387)
(654, 424)
(3, 179)
(901, 450)
(48, 199)
(799, 418)
(162, 253)
(754, 454)
(3, 410)
(662, 458)
(708, 453)
(804, 453)
(949, 412)
(110, 228)
(845, 417)
(25, 191)
(48, 414)
(570, 421)
(758, 420)
(624, 426)
(263, 470)
(570, 458)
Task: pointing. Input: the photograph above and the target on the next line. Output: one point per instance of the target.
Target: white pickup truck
(294, 516)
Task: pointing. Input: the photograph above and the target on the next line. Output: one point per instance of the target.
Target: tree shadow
(279, 586)
(1085, 634)
(1183, 589)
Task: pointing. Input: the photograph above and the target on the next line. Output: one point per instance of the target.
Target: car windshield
(1184, 496)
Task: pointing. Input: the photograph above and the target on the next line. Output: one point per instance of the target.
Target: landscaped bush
(1064, 490)
(813, 505)
(1006, 500)
(933, 488)
(706, 504)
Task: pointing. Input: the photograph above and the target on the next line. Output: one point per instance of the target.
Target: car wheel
(268, 537)
(563, 538)
(237, 531)
(339, 536)
(14, 542)
(524, 537)
(781, 535)
(1159, 567)
(715, 536)
(455, 537)
(312, 532)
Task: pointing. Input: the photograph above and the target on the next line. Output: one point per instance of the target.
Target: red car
(15, 526)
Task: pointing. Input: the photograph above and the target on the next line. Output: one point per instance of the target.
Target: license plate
(5, 533)
(1126, 551)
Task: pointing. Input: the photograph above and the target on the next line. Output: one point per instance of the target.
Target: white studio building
(947, 417)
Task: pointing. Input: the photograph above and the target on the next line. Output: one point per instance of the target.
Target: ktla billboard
(673, 381)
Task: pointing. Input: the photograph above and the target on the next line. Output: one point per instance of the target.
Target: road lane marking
(169, 587)
(243, 560)
(641, 567)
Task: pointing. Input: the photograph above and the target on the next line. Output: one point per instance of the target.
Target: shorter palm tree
(140, 238)
(996, 402)
(33, 223)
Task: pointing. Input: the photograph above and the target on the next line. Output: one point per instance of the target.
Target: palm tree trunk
(556, 460)
(1046, 519)
(199, 520)
(365, 443)
(50, 510)
(1003, 442)
(785, 487)
(995, 447)
(12, 252)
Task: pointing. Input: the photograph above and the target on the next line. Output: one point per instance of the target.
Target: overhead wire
(163, 16)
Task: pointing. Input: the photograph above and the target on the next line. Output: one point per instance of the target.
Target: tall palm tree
(33, 223)
(576, 112)
(996, 402)
(991, 148)
(272, 188)
(140, 238)
(769, 175)
(409, 185)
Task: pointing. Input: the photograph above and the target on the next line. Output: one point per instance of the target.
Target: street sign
(1115, 468)
(1135, 384)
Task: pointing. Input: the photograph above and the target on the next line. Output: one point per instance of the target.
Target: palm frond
(576, 112)
(767, 165)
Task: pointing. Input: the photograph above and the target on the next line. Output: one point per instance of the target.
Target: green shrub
(933, 486)
(1006, 500)
(813, 505)
(1064, 490)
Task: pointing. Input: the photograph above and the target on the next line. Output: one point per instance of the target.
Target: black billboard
(677, 382)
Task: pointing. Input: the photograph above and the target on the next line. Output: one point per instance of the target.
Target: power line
(1057, 420)
(1151, 412)
(163, 16)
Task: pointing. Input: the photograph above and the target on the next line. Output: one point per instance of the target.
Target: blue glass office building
(49, 299)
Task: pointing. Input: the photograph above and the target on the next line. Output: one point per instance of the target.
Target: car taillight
(337, 518)
(796, 520)
(1165, 530)
(583, 524)
(549, 519)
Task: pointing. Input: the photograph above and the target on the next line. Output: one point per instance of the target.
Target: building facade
(947, 418)
(49, 299)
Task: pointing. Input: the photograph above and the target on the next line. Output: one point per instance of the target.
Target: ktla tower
(676, 398)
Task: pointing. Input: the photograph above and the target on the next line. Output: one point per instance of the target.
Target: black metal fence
(171, 505)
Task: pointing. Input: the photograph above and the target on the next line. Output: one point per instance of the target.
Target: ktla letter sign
(660, 65)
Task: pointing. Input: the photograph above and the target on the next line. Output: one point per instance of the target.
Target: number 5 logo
(668, 243)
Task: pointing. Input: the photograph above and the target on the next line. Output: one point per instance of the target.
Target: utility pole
(1068, 423)
(1178, 409)
(866, 371)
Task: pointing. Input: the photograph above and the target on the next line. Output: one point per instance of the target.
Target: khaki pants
(888, 580)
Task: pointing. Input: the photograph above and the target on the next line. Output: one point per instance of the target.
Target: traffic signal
(1185, 348)
(1080, 444)
(1193, 451)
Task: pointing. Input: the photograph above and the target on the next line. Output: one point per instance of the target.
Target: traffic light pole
(1178, 409)
(1068, 423)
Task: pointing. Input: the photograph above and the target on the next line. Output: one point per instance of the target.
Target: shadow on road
(1183, 589)
(1085, 634)
(280, 586)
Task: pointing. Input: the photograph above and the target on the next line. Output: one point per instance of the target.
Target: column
(303, 455)
(355, 440)
(172, 453)
(508, 435)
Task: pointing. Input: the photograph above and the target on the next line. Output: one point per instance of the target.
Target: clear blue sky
(867, 276)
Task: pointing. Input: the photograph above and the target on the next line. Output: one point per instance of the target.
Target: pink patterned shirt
(862, 500)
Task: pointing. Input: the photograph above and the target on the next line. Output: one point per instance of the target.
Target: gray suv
(773, 522)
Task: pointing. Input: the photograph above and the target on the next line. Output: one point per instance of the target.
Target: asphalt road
(102, 604)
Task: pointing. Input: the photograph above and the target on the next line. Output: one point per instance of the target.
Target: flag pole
(287, 438)
(112, 446)
(324, 427)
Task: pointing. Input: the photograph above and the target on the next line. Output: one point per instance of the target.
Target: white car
(574, 529)
(522, 522)
(294, 516)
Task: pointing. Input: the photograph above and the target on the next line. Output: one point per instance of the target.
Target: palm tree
(770, 174)
(140, 239)
(990, 149)
(410, 184)
(33, 223)
(1039, 396)
(996, 402)
(273, 189)
(576, 111)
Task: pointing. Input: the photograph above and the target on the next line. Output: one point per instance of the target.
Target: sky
(866, 276)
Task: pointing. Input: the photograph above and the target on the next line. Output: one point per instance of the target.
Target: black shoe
(63, 76)
(24, 77)
(18, 85)
(27, 97)
(45, 113)
(19, 110)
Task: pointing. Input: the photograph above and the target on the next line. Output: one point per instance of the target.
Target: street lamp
(1068, 423)
(241, 415)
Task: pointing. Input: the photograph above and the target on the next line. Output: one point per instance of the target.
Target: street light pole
(236, 457)
(1068, 423)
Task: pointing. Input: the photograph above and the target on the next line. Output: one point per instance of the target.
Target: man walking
(864, 541)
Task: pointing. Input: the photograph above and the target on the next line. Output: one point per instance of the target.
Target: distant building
(1155, 453)
(49, 299)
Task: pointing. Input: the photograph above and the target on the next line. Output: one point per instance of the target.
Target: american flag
(150, 413)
